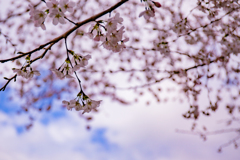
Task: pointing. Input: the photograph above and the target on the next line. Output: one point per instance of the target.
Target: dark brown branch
(66, 34)
(44, 53)
(14, 77)
(9, 80)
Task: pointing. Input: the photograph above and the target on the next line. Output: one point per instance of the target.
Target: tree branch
(66, 34)
(9, 80)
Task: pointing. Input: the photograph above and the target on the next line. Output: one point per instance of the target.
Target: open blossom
(52, 5)
(67, 6)
(112, 22)
(90, 105)
(80, 61)
(149, 11)
(31, 73)
(68, 104)
(58, 73)
(58, 17)
(28, 74)
(147, 14)
(79, 105)
(31, 11)
(64, 71)
(116, 36)
(38, 17)
(95, 32)
(85, 59)
(112, 39)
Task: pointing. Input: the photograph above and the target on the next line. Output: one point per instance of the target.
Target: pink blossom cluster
(149, 9)
(55, 10)
(68, 67)
(82, 102)
(28, 74)
(65, 71)
(38, 17)
(109, 34)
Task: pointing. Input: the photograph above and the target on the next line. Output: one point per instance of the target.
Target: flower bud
(157, 4)
(97, 38)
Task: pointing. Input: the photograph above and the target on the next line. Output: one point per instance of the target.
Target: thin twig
(9, 80)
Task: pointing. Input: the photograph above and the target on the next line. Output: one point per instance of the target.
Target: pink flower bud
(157, 4)
(97, 38)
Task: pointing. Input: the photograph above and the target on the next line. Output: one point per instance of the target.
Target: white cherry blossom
(112, 22)
(67, 6)
(58, 17)
(31, 73)
(52, 5)
(58, 73)
(80, 61)
(90, 105)
(28, 74)
(68, 104)
(149, 9)
(64, 71)
(38, 17)
(147, 14)
(95, 31)
(20, 72)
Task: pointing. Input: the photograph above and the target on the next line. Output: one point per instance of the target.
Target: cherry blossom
(31, 73)
(81, 102)
(58, 73)
(68, 104)
(112, 22)
(149, 9)
(67, 6)
(188, 48)
(52, 5)
(80, 61)
(90, 105)
(64, 71)
(58, 17)
(95, 32)
(112, 39)
(147, 14)
(38, 17)
(28, 74)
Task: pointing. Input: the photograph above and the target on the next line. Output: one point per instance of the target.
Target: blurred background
(139, 118)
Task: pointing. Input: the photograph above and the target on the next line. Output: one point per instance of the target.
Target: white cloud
(136, 132)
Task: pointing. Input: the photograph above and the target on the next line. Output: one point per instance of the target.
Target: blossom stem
(79, 81)
(70, 20)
